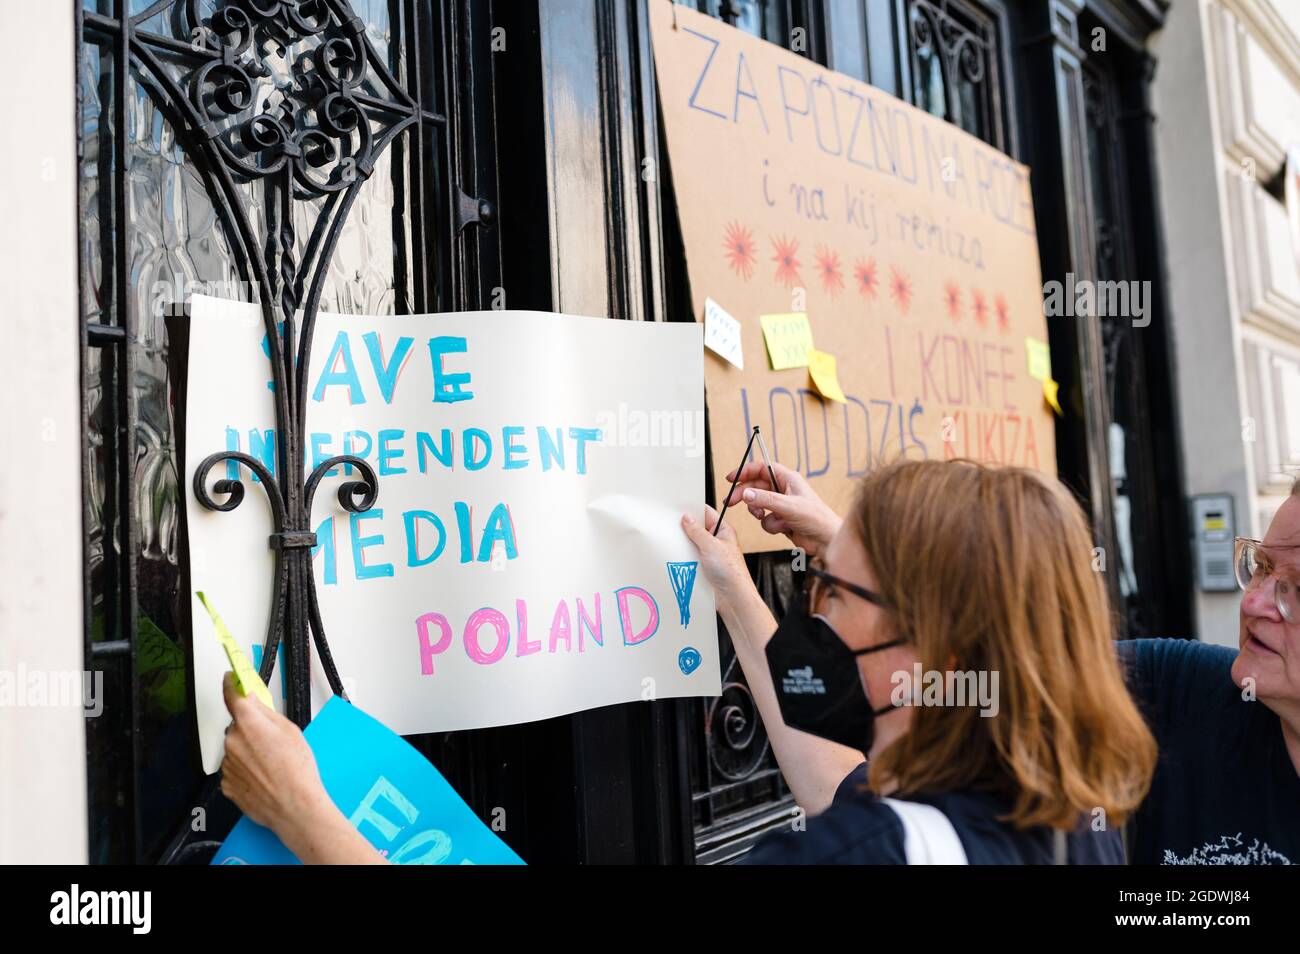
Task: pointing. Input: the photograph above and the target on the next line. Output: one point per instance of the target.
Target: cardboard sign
(388, 791)
(907, 243)
(525, 556)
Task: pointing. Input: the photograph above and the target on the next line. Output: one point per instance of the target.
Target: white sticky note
(722, 334)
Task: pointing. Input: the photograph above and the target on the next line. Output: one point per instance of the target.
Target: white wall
(1227, 100)
(42, 748)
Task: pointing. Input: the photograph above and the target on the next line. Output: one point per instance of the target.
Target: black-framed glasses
(817, 583)
(1253, 568)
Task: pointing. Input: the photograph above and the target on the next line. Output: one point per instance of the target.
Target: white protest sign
(524, 558)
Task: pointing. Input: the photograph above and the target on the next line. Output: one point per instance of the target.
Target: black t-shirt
(858, 828)
(1225, 791)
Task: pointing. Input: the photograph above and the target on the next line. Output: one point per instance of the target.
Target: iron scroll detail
(290, 98)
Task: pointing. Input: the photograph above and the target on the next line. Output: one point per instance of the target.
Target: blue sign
(388, 791)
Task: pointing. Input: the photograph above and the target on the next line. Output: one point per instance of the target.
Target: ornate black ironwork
(290, 98)
(737, 788)
(737, 741)
(954, 64)
(770, 19)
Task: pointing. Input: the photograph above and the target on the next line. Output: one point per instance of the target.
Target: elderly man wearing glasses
(1227, 784)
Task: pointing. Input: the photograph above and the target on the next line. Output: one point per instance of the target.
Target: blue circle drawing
(688, 660)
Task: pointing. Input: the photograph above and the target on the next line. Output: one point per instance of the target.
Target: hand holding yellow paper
(1039, 358)
(788, 338)
(250, 683)
(821, 366)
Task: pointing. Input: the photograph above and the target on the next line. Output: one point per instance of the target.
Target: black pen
(741, 466)
(762, 449)
(771, 475)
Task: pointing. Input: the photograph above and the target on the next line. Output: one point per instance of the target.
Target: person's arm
(813, 767)
(270, 773)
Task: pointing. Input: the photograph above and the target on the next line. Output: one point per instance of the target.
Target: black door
(1086, 75)
(197, 175)
(1150, 561)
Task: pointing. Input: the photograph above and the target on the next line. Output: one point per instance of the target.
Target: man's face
(1270, 646)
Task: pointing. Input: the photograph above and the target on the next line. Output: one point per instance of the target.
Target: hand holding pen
(795, 510)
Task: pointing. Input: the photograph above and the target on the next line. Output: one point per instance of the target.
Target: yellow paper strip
(1050, 388)
(788, 338)
(1039, 358)
(250, 683)
(821, 366)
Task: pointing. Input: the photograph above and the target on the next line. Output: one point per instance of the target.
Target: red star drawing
(900, 289)
(741, 251)
(1004, 317)
(952, 300)
(787, 261)
(979, 308)
(865, 274)
(828, 266)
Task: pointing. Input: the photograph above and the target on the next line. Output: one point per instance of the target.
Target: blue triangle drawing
(682, 576)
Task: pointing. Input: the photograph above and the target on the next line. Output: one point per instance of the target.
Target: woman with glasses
(1227, 786)
(953, 631)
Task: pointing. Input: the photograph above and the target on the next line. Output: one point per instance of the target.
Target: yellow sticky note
(1050, 388)
(788, 338)
(822, 368)
(250, 683)
(1040, 359)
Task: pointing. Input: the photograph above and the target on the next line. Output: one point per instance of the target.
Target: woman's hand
(797, 511)
(269, 771)
(721, 561)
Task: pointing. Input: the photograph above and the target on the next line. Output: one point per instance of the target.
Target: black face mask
(817, 682)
